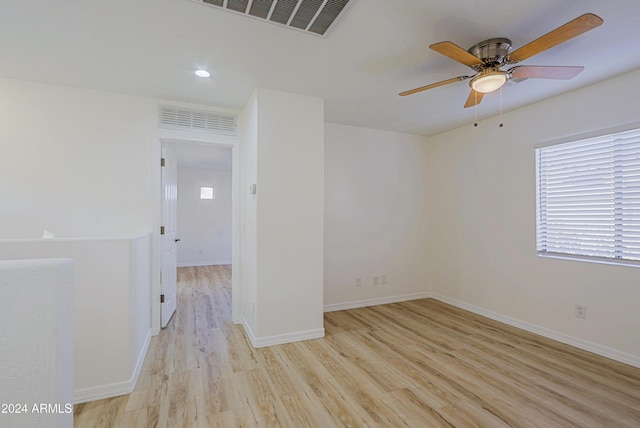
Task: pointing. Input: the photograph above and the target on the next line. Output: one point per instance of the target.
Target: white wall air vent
(195, 120)
(312, 16)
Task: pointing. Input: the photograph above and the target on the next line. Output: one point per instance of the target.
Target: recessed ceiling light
(203, 73)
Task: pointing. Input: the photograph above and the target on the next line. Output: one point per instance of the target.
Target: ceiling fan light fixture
(489, 82)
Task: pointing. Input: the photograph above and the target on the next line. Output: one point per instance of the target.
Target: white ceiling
(377, 49)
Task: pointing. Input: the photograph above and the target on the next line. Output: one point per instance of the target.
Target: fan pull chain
(475, 108)
(501, 124)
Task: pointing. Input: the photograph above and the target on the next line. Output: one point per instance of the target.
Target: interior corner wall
(282, 280)
(482, 235)
(376, 213)
(204, 225)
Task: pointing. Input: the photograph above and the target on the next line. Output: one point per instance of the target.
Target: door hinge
(162, 298)
(162, 161)
(161, 230)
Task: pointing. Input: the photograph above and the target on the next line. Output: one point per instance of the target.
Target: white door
(168, 238)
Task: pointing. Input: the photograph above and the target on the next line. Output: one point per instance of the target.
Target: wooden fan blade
(544, 72)
(474, 98)
(571, 29)
(456, 53)
(433, 85)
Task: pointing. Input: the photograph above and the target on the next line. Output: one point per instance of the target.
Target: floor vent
(311, 16)
(195, 120)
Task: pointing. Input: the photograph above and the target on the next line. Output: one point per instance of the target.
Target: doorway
(203, 152)
(204, 205)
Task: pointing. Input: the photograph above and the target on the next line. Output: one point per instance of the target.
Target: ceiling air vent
(311, 16)
(195, 120)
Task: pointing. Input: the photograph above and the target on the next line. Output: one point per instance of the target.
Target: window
(207, 193)
(588, 197)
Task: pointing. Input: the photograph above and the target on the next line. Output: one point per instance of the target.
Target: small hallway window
(207, 193)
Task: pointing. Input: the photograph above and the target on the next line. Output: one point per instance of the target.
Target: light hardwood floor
(415, 364)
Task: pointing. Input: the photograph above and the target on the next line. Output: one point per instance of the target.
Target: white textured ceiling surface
(377, 49)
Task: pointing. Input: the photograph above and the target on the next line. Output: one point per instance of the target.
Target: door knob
(176, 240)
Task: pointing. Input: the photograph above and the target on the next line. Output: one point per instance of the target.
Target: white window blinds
(588, 197)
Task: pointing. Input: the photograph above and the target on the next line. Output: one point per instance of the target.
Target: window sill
(575, 258)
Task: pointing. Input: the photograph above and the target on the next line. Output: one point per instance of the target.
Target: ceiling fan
(487, 57)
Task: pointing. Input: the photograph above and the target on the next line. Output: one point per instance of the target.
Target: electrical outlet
(581, 311)
(358, 282)
(383, 279)
(376, 280)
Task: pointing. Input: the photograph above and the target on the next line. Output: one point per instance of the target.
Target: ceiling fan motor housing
(492, 52)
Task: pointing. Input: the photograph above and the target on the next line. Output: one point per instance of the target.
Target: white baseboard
(101, 392)
(377, 301)
(204, 263)
(586, 345)
(260, 342)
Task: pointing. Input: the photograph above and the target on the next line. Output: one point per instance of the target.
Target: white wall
(482, 228)
(204, 226)
(75, 162)
(376, 213)
(283, 149)
(290, 213)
